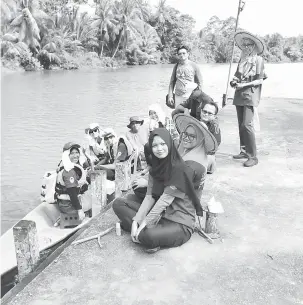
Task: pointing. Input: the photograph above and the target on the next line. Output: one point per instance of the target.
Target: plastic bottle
(118, 229)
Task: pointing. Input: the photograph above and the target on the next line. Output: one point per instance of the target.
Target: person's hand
(170, 102)
(186, 111)
(199, 87)
(133, 231)
(233, 84)
(141, 227)
(144, 171)
(81, 214)
(139, 182)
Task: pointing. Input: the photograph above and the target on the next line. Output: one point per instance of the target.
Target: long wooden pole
(232, 54)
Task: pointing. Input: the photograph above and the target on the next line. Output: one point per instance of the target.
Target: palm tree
(31, 22)
(105, 23)
(128, 16)
(144, 49)
(145, 8)
(8, 13)
(161, 16)
(150, 39)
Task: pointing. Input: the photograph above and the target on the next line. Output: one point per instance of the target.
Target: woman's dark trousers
(165, 234)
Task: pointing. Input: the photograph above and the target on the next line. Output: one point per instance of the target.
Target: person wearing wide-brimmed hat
(166, 216)
(137, 134)
(248, 81)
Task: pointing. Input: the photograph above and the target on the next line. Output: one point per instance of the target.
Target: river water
(43, 110)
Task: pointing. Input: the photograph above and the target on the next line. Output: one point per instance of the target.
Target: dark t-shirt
(214, 129)
(196, 102)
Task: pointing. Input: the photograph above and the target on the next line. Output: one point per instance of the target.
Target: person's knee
(117, 205)
(247, 126)
(146, 238)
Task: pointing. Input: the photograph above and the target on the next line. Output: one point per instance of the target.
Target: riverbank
(258, 262)
(82, 61)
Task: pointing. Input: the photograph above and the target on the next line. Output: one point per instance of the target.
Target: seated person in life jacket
(119, 149)
(96, 148)
(71, 180)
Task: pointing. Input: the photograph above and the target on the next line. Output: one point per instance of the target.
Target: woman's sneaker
(251, 162)
(241, 155)
(152, 250)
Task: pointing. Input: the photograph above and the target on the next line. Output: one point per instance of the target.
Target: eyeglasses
(248, 45)
(207, 113)
(94, 130)
(182, 53)
(189, 136)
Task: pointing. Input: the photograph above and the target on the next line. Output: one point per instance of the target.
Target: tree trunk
(102, 45)
(120, 36)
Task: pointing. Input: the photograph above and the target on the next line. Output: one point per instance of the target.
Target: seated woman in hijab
(166, 217)
(156, 117)
(118, 150)
(71, 180)
(96, 149)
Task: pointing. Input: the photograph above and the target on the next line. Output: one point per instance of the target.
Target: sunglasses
(94, 130)
(189, 136)
(109, 137)
(207, 113)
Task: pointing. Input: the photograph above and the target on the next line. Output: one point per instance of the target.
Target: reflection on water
(42, 111)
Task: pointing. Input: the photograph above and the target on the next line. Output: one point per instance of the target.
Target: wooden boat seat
(69, 220)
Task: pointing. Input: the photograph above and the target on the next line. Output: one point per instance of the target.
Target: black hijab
(172, 170)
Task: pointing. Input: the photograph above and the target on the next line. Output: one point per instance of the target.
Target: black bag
(172, 106)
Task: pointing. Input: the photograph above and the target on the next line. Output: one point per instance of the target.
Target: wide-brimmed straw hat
(183, 120)
(134, 119)
(240, 35)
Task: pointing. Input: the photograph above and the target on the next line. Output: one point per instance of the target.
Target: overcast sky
(259, 16)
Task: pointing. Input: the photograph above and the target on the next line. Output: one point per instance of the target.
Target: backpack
(48, 188)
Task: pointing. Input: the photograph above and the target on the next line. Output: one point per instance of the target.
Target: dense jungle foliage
(49, 34)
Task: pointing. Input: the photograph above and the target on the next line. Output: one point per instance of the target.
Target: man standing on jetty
(186, 77)
(248, 81)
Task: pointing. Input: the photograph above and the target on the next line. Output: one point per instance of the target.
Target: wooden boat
(45, 215)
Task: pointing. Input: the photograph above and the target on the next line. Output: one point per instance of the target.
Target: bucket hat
(134, 119)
